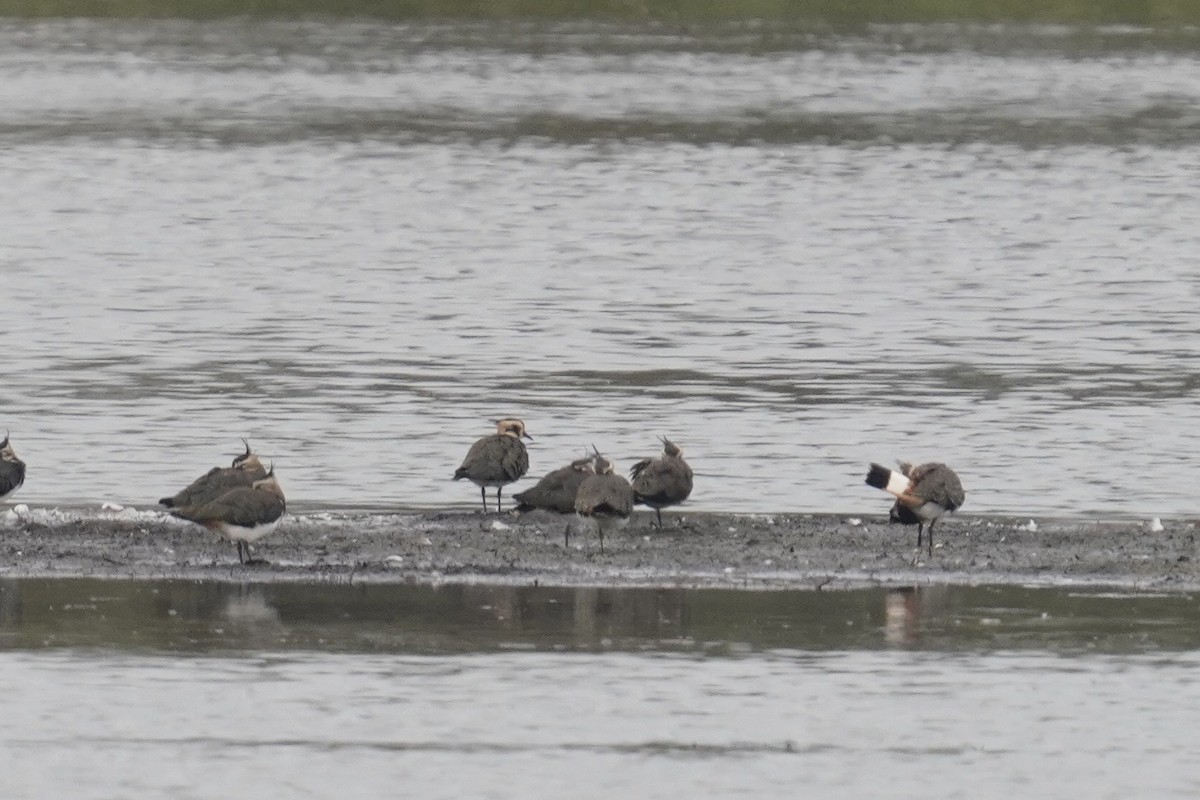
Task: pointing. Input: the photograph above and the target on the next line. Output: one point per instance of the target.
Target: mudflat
(801, 551)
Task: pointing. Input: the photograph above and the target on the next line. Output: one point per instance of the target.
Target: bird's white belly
(237, 533)
(929, 511)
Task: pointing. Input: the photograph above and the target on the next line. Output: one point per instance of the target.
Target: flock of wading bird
(244, 502)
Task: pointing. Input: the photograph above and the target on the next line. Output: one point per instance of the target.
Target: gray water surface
(794, 251)
(206, 690)
(792, 248)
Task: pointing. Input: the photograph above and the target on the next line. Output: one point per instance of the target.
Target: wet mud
(703, 550)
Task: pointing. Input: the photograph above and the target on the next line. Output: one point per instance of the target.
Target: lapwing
(496, 460)
(246, 469)
(923, 493)
(242, 515)
(556, 490)
(12, 469)
(662, 482)
(606, 498)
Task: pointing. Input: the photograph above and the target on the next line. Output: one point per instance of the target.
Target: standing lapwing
(496, 460)
(923, 493)
(662, 482)
(242, 515)
(246, 469)
(606, 498)
(12, 469)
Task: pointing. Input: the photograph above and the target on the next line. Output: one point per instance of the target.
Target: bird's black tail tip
(166, 501)
(878, 476)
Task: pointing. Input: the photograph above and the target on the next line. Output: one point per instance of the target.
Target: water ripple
(357, 245)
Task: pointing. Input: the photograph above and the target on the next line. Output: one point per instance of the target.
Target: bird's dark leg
(240, 546)
(600, 528)
(658, 511)
(483, 494)
(567, 535)
(920, 533)
(499, 489)
(931, 537)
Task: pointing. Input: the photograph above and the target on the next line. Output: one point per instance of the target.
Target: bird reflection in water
(250, 609)
(902, 618)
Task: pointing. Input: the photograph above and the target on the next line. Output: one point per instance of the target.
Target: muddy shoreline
(801, 551)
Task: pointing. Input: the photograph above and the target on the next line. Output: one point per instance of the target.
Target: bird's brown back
(608, 494)
(937, 483)
(661, 481)
(12, 475)
(557, 490)
(216, 482)
(245, 506)
(496, 458)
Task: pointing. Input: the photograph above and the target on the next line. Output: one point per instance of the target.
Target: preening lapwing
(496, 460)
(242, 515)
(12, 469)
(606, 498)
(246, 469)
(923, 493)
(661, 482)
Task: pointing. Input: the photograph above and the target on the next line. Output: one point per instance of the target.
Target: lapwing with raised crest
(245, 470)
(923, 493)
(12, 469)
(243, 515)
(605, 498)
(497, 460)
(663, 481)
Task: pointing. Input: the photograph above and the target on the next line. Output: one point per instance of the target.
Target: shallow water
(520, 691)
(792, 249)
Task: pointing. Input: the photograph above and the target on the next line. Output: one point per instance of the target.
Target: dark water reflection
(518, 692)
(210, 617)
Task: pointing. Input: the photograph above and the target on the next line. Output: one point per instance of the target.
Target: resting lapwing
(242, 515)
(557, 489)
(606, 498)
(246, 469)
(923, 493)
(12, 469)
(661, 482)
(496, 460)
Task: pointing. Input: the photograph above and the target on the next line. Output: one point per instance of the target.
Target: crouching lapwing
(242, 515)
(923, 493)
(496, 460)
(246, 469)
(606, 498)
(557, 489)
(662, 482)
(12, 469)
